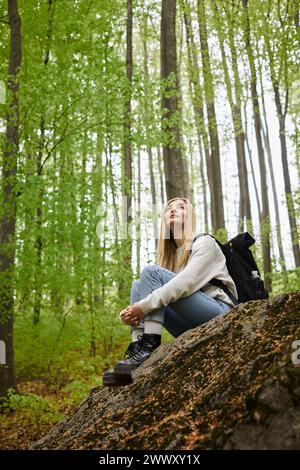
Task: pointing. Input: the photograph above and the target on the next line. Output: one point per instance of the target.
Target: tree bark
(196, 93)
(265, 214)
(176, 169)
(39, 168)
(161, 179)
(281, 114)
(234, 98)
(217, 208)
(265, 130)
(126, 243)
(149, 146)
(251, 162)
(138, 225)
(9, 203)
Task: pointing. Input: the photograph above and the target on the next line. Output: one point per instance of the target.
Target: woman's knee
(135, 291)
(149, 269)
(135, 285)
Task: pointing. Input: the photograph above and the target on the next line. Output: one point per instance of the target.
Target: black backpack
(242, 268)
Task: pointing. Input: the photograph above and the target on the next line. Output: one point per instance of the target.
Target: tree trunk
(287, 181)
(281, 114)
(39, 212)
(296, 21)
(217, 208)
(126, 242)
(176, 170)
(161, 179)
(149, 147)
(9, 204)
(265, 215)
(192, 194)
(251, 163)
(197, 102)
(265, 130)
(38, 241)
(245, 218)
(297, 148)
(138, 225)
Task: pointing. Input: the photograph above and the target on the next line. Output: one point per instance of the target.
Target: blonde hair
(166, 247)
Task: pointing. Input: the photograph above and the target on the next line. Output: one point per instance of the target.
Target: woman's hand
(132, 315)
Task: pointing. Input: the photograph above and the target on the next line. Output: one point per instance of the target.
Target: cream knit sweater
(205, 262)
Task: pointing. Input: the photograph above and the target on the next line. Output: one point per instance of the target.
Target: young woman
(175, 292)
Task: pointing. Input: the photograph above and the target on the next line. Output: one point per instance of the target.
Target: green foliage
(32, 407)
(279, 283)
(79, 389)
(221, 235)
(57, 354)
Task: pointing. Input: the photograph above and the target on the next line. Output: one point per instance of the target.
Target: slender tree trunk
(77, 242)
(249, 150)
(281, 114)
(138, 225)
(9, 204)
(286, 177)
(149, 148)
(90, 302)
(197, 102)
(251, 164)
(217, 208)
(127, 117)
(296, 20)
(111, 181)
(104, 240)
(153, 194)
(97, 195)
(126, 244)
(265, 214)
(203, 183)
(39, 212)
(297, 149)
(192, 192)
(161, 179)
(265, 130)
(38, 226)
(176, 170)
(56, 300)
(245, 218)
(25, 291)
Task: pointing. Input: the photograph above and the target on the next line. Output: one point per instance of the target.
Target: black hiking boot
(146, 346)
(109, 376)
(111, 379)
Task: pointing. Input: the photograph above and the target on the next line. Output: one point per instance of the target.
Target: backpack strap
(214, 281)
(219, 283)
(195, 238)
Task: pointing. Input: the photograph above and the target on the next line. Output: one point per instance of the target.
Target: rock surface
(232, 383)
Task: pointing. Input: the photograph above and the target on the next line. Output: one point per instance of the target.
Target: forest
(108, 109)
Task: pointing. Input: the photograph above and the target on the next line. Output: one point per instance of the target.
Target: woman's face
(175, 216)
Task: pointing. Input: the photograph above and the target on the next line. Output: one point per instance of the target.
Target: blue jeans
(182, 315)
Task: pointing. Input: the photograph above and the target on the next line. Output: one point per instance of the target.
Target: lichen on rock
(228, 384)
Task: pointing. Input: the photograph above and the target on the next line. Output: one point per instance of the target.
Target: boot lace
(133, 347)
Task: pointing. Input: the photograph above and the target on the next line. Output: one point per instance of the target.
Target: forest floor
(41, 402)
(22, 426)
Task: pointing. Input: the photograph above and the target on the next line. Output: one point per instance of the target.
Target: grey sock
(152, 327)
(135, 332)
